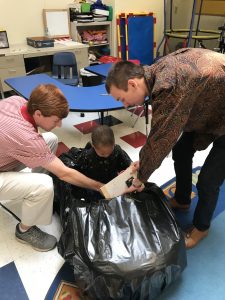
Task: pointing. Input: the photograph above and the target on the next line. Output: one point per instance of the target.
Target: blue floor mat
(203, 277)
(184, 219)
(11, 286)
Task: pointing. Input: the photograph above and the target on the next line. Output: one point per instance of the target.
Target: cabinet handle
(12, 71)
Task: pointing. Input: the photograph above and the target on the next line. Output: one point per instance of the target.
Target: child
(101, 160)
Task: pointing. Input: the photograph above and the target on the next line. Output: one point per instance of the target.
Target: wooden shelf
(78, 28)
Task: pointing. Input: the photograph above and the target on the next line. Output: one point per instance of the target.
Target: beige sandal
(194, 237)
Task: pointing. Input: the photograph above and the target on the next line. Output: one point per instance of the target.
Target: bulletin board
(212, 7)
(56, 22)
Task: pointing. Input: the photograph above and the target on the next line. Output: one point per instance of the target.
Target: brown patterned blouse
(187, 88)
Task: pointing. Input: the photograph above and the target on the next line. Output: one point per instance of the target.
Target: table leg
(102, 117)
(1, 90)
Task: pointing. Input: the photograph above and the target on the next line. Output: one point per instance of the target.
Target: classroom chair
(65, 68)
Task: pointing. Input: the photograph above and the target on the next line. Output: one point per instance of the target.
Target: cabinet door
(11, 66)
(81, 57)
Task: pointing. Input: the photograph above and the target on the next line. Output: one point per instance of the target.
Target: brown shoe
(194, 237)
(177, 206)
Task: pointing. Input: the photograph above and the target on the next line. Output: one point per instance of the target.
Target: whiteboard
(56, 22)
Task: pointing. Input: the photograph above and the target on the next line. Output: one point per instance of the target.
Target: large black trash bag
(127, 248)
(64, 192)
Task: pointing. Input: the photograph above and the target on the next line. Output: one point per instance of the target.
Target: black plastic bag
(127, 248)
(86, 161)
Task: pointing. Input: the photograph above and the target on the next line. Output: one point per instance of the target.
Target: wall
(24, 18)
(212, 7)
(182, 13)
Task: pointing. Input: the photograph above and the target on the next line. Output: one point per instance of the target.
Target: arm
(176, 83)
(171, 109)
(72, 176)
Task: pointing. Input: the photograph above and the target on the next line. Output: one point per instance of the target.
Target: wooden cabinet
(78, 28)
(81, 57)
(11, 66)
(80, 53)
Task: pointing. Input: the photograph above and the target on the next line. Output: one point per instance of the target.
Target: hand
(130, 189)
(98, 186)
(134, 167)
(138, 185)
(140, 189)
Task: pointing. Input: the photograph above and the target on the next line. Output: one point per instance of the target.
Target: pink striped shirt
(19, 140)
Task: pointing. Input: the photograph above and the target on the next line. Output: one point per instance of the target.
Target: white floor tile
(37, 271)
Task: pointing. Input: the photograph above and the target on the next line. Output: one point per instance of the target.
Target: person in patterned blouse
(187, 92)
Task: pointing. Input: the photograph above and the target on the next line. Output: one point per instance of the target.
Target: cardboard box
(40, 42)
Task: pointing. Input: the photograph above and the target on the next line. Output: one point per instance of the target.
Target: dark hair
(121, 72)
(49, 100)
(102, 136)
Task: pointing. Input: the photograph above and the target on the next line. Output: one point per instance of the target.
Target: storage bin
(90, 79)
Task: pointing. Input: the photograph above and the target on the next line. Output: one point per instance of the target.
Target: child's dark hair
(102, 136)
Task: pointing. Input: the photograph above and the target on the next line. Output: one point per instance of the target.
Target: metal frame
(188, 36)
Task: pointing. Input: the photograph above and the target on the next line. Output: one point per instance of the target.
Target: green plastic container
(110, 16)
(85, 7)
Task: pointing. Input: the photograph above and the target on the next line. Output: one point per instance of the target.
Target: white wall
(24, 18)
(182, 13)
